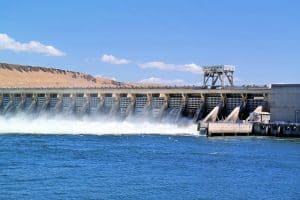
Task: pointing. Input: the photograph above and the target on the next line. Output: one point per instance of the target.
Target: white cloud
(8, 43)
(158, 65)
(114, 60)
(157, 80)
(193, 68)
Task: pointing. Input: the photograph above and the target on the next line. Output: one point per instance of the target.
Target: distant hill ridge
(12, 75)
(27, 68)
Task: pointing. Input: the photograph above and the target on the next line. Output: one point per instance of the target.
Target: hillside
(12, 75)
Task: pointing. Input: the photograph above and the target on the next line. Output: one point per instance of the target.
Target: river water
(142, 164)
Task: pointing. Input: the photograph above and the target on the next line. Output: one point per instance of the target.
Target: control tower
(218, 75)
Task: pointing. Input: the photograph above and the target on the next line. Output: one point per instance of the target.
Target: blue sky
(166, 41)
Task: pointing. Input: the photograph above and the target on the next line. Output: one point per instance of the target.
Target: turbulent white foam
(63, 125)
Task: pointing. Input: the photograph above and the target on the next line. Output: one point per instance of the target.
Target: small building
(285, 103)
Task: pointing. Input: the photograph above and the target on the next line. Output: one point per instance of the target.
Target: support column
(212, 116)
(182, 107)
(115, 104)
(244, 97)
(233, 116)
(32, 106)
(21, 105)
(130, 107)
(86, 104)
(200, 111)
(59, 103)
(46, 103)
(9, 105)
(243, 111)
(148, 106)
(72, 105)
(164, 106)
(101, 102)
(223, 106)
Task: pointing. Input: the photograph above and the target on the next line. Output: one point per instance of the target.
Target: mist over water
(90, 125)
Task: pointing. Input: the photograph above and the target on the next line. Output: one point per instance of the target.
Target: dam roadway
(139, 101)
(141, 90)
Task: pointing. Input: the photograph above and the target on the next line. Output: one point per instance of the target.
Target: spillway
(154, 103)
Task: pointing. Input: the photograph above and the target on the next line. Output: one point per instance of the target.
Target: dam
(218, 107)
(60, 92)
(154, 102)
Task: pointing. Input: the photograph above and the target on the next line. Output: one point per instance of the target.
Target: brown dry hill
(22, 76)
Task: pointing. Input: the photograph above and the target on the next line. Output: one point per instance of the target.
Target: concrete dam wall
(161, 103)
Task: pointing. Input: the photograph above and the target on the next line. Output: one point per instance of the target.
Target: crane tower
(218, 75)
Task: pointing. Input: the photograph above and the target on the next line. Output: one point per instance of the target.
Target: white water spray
(96, 126)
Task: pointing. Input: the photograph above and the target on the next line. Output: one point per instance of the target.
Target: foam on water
(98, 126)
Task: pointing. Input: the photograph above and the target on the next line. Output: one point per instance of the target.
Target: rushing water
(96, 126)
(171, 165)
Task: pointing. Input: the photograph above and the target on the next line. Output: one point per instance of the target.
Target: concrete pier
(229, 129)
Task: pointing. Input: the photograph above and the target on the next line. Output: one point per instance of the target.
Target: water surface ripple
(34, 166)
